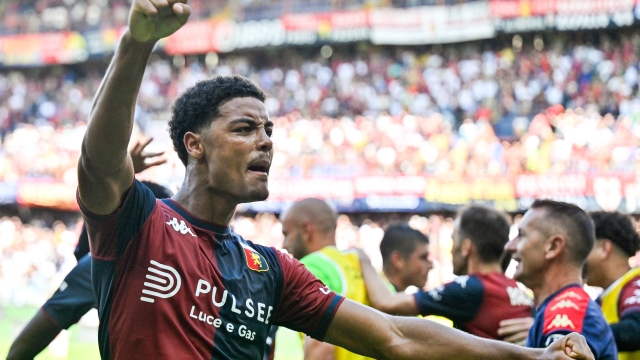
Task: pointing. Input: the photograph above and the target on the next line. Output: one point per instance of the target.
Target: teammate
(309, 229)
(481, 296)
(553, 242)
(172, 280)
(405, 257)
(74, 298)
(608, 267)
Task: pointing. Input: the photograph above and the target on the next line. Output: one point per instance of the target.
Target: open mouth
(260, 166)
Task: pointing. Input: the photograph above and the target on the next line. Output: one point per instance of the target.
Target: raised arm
(381, 296)
(105, 169)
(366, 331)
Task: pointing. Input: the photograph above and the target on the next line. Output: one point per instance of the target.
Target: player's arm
(366, 331)
(34, 338)
(627, 332)
(380, 295)
(318, 350)
(105, 169)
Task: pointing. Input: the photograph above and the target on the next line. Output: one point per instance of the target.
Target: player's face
(592, 269)
(528, 248)
(417, 267)
(293, 240)
(459, 261)
(238, 150)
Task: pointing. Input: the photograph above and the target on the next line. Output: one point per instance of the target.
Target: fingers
(150, 155)
(156, 163)
(515, 329)
(146, 7)
(576, 347)
(517, 338)
(182, 11)
(146, 142)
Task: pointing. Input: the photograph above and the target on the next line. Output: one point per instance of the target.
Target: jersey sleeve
(627, 332)
(459, 300)
(306, 304)
(109, 235)
(74, 297)
(324, 270)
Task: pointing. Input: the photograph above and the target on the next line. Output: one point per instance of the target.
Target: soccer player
(173, 281)
(74, 298)
(309, 228)
(405, 257)
(608, 267)
(553, 242)
(481, 296)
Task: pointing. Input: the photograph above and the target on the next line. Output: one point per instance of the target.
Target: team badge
(255, 261)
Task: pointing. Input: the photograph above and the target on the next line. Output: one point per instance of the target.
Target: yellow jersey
(341, 272)
(618, 297)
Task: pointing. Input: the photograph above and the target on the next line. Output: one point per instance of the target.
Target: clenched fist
(152, 20)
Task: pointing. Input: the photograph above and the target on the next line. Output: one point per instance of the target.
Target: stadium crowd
(464, 114)
(34, 16)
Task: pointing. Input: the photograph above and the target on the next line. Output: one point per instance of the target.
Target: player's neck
(614, 270)
(475, 266)
(555, 279)
(205, 205)
(395, 280)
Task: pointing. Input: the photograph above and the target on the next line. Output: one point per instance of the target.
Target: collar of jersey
(216, 228)
(546, 301)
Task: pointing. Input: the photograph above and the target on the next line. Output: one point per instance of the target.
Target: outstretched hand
(572, 346)
(515, 331)
(152, 20)
(139, 158)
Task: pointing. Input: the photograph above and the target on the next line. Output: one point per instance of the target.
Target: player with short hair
(608, 267)
(309, 229)
(553, 242)
(405, 257)
(481, 296)
(172, 279)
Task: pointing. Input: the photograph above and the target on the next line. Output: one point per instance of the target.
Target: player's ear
(307, 230)
(396, 259)
(554, 246)
(466, 247)
(606, 247)
(193, 144)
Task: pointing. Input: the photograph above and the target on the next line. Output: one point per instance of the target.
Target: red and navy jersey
(568, 310)
(476, 303)
(171, 286)
(73, 298)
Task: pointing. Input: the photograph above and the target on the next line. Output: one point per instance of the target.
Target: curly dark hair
(200, 104)
(619, 229)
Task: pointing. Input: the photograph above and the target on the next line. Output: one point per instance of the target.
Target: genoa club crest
(255, 261)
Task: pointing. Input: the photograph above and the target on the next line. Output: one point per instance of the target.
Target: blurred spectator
(464, 112)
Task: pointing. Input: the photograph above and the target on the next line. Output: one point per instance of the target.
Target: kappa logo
(564, 304)
(561, 321)
(325, 290)
(633, 300)
(255, 260)
(570, 294)
(181, 227)
(165, 284)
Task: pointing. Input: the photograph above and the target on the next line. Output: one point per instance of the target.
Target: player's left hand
(573, 345)
(139, 157)
(515, 331)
